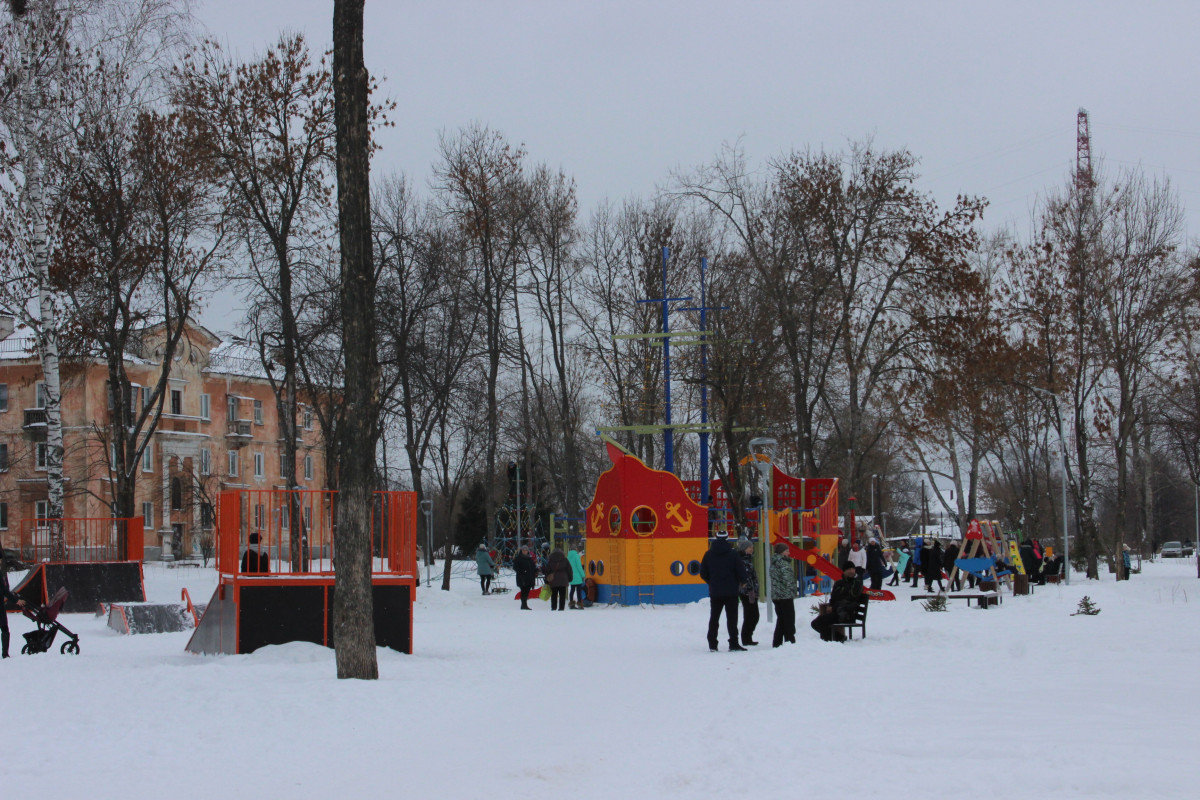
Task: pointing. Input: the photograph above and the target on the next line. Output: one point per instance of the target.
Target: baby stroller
(46, 617)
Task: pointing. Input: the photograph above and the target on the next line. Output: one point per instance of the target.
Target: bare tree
(354, 634)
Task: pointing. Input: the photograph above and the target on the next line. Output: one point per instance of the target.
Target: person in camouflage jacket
(783, 596)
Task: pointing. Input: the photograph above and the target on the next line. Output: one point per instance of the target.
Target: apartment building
(218, 429)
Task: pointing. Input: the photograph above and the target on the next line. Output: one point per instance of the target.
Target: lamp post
(427, 507)
(766, 469)
(1062, 444)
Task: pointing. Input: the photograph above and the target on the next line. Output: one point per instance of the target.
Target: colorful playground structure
(647, 530)
(285, 592)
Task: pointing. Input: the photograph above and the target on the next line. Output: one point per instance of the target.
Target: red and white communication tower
(1083, 151)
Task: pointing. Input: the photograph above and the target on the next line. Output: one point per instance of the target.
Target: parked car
(1171, 550)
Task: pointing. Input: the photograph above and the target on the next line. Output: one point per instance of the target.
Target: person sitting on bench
(843, 602)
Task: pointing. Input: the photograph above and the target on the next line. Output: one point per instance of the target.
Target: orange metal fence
(275, 531)
(82, 539)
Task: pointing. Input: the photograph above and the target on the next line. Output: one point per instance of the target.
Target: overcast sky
(619, 93)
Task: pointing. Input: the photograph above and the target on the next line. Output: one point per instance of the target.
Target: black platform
(88, 583)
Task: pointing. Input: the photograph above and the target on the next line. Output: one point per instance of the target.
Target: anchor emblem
(685, 522)
(596, 518)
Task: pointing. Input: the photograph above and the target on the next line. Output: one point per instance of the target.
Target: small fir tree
(1087, 608)
(937, 603)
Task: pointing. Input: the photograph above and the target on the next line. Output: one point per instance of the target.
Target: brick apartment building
(218, 430)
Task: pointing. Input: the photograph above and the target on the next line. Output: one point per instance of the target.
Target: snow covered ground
(1024, 700)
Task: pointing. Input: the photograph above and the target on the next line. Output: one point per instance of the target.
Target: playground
(1024, 699)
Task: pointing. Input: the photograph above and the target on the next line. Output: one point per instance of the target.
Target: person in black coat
(948, 564)
(843, 603)
(724, 572)
(1032, 562)
(6, 596)
(558, 577)
(526, 569)
(876, 565)
(933, 559)
(748, 592)
(255, 560)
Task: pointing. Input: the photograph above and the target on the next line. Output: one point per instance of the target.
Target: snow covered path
(1024, 700)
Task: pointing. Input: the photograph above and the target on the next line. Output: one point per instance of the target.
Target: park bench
(982, 599)
(859, 621)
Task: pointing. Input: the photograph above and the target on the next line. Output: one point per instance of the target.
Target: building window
(112, 455)
(260, 516)
(41, 455)
(176, 494)
(259, 468)
(282, 465)
(308, 518)
(205, 406)
(3, 516)
(134, 405)
(206, 516)
(308, 418)
(258, 412)
(148, 458)
(233, 463)
(148, 514)
(205, 461)
(108, 390)
(231, 404)
(3, 458)
(41, 395)
(3, 397)
(308, 468)
(177, 401)
(41, 509)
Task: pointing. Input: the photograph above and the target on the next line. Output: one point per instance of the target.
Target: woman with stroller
(6, 596)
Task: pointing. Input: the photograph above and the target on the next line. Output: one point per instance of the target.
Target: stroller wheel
(25, 651)
(71, 647)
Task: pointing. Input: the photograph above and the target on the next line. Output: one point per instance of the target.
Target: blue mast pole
(703, 388)
(668, 438)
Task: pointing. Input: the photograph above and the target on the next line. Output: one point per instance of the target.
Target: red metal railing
(82, 539)
(295, 530)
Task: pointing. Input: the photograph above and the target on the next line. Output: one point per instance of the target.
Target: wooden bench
(860, 619)
(983, 599)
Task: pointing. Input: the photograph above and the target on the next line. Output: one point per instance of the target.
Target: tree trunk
(353, 613)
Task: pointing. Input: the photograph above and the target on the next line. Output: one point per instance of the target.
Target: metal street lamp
(427, 507)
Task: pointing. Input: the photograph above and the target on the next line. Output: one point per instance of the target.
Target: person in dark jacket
(255, 559)
(876, 565)
(724, 572)
(783, 596)
(526, 570)
(948, 560)
(486, 567)
(748, 592)
(843, 602)
(558, 578)
(933, 566)
(1032, 562)
(6, 596)
(843, 550)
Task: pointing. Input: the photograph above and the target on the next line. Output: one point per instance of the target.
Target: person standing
(558, 578)
(486, 567)
(876, 565)
(858, 557)
(917, 547)
(6, 596)
(526, 571)
(255, 559)
(1126, 563)
(576, 589)
(724, 572)
(748, 592)
(783, 596)
(933, 566)
(948, 563)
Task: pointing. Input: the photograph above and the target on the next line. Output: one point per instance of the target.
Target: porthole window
(676, 568)
(643, 521)
(599, 568)
(591, 568)
(693, 567)
(614, 520)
